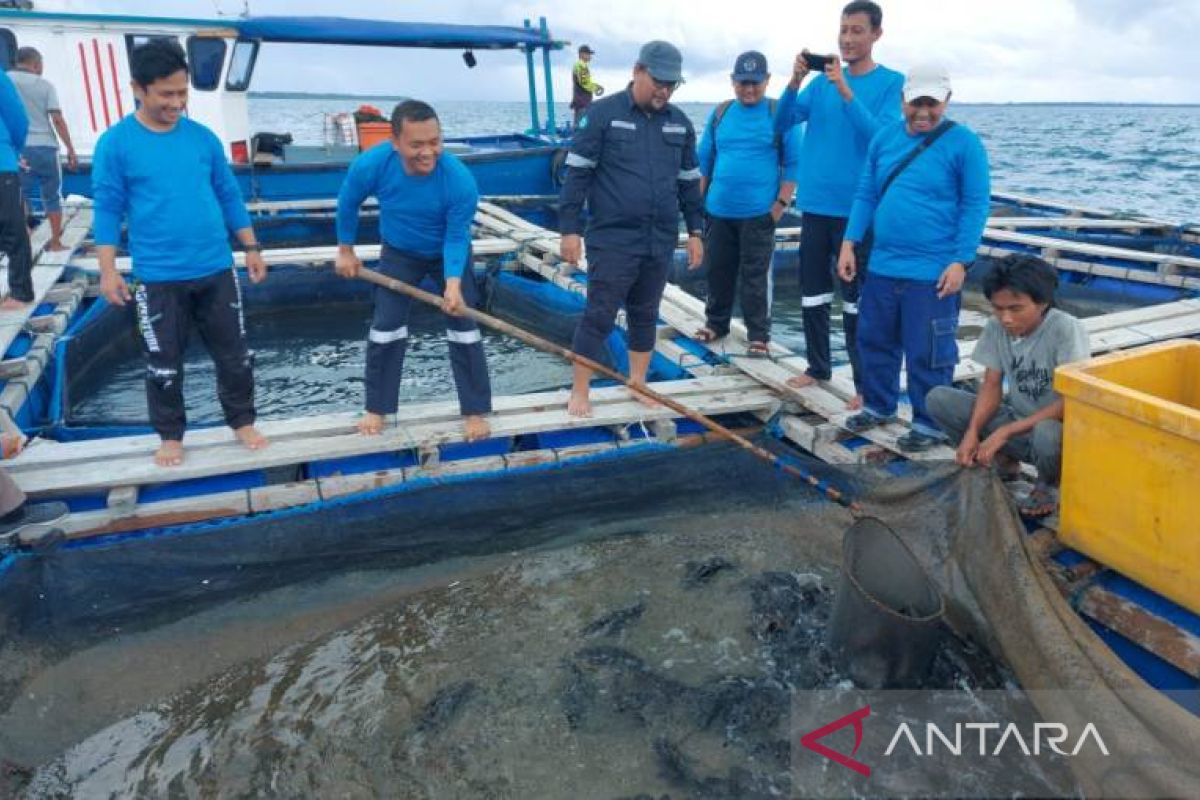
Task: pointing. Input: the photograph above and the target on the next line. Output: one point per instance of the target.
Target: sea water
(628, 656)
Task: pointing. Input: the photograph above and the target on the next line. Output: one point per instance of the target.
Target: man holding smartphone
(844, 107)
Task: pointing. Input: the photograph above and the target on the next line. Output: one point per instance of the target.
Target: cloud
(997, 50)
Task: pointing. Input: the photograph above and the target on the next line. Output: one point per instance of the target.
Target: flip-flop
(1041, 502)
(705, 335)
(758, 350)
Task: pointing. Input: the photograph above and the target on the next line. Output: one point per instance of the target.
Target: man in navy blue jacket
(633, 159)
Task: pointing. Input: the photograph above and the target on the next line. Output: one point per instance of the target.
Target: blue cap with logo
(662, 60)
(750, 66)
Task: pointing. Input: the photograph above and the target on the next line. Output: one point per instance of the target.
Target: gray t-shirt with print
(1028, 362)
(40, 99)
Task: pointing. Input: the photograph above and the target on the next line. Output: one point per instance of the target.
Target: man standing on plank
(427, 200)
(844, 107)
(168, 175)
(633, 159)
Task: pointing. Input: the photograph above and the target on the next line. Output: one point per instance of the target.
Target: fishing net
(626, 627)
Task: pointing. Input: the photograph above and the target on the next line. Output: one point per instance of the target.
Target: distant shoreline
(1042, 104)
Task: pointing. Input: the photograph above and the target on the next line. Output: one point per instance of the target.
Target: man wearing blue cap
(633, 159)
(749, 176)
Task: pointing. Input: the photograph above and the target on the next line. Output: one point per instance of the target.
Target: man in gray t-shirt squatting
(40, 170)
(1021, 345)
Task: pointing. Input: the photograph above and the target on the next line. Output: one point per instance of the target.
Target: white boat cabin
(86, 57)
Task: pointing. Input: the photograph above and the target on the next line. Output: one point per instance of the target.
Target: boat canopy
(384, 33)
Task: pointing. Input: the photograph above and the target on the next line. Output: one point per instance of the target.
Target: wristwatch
(697, 234)
(252, 248)
(783, 202)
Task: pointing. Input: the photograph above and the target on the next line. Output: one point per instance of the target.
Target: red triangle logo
(855, 718)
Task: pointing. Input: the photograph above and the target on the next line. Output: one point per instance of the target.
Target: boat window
(8, 49)
(206, 56)
(136, 40)
(241, 65)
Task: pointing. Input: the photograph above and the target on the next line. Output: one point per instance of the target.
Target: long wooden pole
(379, 279)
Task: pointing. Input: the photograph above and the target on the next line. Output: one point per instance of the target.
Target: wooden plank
(1056, 205)
(1137, 316)
(306, 256)
(291, 495)
(153, 515)
(1161, 637)
(1085, 248)
(283, 495)
(1080, 223)
(46, 273)
(13, 368)
(139, 469)
(41, 452)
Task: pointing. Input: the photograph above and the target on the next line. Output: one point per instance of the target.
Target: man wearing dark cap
(583, 88)
(749, 175)
(633, 159)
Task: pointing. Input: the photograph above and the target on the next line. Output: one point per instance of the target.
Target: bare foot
(644, 399)
(250, 436)
(801, 381)
(854, 403)
(475, 427)
(169, 453)
(55, 247)
(580, 405)
(11, 303)
(371, 424)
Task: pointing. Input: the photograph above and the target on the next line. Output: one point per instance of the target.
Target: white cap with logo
(927, 80)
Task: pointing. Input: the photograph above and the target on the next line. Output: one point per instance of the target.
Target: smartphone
(817, 63)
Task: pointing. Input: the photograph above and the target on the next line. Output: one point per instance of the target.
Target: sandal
(758, 350)
(1041, 502)
(706, 335)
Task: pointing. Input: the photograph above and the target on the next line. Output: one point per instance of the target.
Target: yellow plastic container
(1131, 465)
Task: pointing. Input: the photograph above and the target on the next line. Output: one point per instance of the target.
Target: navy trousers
(616, 279)
(387, 341)
(904, 320)
(820, 246)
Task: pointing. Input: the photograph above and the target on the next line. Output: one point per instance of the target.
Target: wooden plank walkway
(1133, 226)
(47, 270)
(80, 467)
(305, 256)
(684, 314)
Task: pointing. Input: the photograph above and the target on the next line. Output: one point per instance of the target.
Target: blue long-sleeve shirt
(933, 214)
(15, 124)
(837, 134)
(743, 164)
(179, 193)
(426, 215)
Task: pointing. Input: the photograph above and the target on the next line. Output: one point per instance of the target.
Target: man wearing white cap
(925, 188)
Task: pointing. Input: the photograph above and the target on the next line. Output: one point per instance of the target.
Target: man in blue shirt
(427, 200)
(14, 236)
(633, 159)
(749, 175)
(168, 175)
(928, 199)
(844, 108)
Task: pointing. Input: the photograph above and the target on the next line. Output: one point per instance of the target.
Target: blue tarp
(385, 33)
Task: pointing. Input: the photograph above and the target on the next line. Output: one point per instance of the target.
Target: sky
(997, 51)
